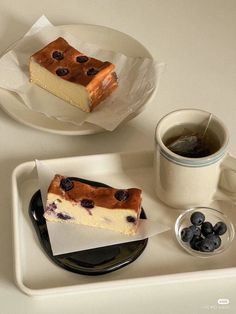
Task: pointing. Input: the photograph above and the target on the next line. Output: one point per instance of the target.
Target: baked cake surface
(69, 74)
(105, 207)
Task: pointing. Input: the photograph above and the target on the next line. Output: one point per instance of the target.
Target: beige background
(197, 41)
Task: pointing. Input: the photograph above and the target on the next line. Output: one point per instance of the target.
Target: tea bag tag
(207, 125)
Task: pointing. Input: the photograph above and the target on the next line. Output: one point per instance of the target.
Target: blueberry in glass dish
(204, 231)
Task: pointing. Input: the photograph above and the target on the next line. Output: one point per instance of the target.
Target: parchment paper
(138, 78)
(69, 237)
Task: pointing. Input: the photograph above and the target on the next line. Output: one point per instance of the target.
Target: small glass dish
(213, 216)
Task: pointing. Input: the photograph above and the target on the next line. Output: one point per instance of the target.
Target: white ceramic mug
(183, 182)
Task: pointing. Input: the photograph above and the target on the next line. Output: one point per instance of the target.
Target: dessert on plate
(64, 71)
(73, 201)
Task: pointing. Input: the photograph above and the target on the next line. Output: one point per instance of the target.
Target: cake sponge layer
(124, 221)
(75, 94)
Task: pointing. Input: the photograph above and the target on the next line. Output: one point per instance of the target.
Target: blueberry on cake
(73, 201)
(71, 75)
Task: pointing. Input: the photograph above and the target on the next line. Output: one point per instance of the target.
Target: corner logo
(223, 301)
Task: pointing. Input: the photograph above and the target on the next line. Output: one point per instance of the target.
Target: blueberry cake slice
(69, 74)
(73, 201)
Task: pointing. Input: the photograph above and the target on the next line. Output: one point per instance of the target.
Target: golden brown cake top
(63, 60)
(76, 191)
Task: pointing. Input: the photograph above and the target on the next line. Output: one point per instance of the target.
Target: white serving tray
(163, 259)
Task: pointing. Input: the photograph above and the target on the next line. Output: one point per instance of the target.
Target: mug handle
(227, 181)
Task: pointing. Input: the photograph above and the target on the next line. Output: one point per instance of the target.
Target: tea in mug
(191, 141)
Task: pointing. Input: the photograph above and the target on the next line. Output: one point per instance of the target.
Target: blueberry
(63, 216)
(220, 228)
(207, 245)
(207, 228)
(195, 243)
(62, 71)
(196, 230)
(86, 203)
(51, 207)
(66, 184)
(92, 71)
(58, 55)
(131, 219)
(197, 218)
(186, 234)
(216, 240)
(121, 195)
(82, 59)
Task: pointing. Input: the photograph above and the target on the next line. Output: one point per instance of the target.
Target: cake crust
(102, 196)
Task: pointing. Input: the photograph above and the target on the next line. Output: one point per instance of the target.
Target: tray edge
(113, 284)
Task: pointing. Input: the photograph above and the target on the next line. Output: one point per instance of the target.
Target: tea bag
(183, 144)
(189, 146)
(192, 144)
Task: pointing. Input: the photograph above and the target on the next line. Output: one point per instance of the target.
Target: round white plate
(106, 38)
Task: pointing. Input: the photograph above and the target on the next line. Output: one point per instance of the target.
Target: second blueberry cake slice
(105, 207)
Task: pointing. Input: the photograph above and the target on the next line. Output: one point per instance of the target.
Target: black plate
(88, 262)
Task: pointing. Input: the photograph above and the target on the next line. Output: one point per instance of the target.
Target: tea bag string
(207, 126)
